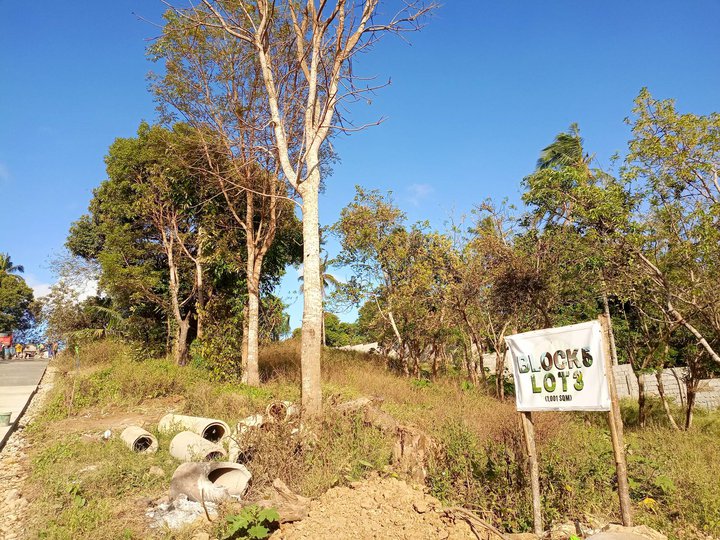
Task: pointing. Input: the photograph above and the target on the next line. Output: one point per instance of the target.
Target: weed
(252, 523)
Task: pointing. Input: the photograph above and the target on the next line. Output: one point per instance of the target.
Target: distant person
(54, 348)
(18, 350)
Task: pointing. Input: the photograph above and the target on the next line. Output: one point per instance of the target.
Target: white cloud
(39, 288)
(84, 290)
(90, 288)
(418, 192)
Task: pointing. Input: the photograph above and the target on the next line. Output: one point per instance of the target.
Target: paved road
(18, 381)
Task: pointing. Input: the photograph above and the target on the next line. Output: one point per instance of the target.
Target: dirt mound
(376, 508)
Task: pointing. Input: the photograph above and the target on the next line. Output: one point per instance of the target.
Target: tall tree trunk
(311, 347)
(666, 405)
(251, 375)
(180, 347)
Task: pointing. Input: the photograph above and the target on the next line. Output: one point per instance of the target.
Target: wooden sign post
(616, 426)
(529, 432)
(568, 369)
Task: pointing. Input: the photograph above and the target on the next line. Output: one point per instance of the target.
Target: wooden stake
(616, 425)
(529, 432)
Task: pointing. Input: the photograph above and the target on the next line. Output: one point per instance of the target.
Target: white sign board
(560, 369)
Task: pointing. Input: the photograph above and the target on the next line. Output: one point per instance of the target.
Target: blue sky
(481, 90)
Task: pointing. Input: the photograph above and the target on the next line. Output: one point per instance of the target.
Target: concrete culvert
(139, 440)
(279, 411)
(189, 446)
(208, 428)
(214, 482)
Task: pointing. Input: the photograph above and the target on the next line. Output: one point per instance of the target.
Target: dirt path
(15, 467)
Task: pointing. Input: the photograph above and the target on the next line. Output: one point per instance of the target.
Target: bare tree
(324, 37)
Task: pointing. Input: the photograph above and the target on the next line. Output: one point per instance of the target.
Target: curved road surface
(19, 380)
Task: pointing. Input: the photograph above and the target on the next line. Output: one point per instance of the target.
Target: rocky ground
(378, 508)
(15, 467)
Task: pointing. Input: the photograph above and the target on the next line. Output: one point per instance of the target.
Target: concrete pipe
(208, 428)
(253, 421)
(214, 482)
(280, 411)
(189, 446)
(139, 440)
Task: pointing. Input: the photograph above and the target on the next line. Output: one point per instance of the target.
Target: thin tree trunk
(691, 384)
(666, 405)
(324, 337)
(311, 347)
(691, 393)
(395, 328)
(642, 410)
(200, 298)
(500, 371)
(701, 339)
(180, 347)
(469, 363)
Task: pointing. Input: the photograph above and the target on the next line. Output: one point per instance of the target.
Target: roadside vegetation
(85, 487)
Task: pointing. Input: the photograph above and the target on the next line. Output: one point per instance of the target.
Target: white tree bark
(311, 347)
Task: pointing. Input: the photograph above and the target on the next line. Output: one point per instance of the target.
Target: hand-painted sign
(560, 369)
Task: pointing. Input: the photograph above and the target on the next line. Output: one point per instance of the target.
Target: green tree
(403, 271)
(16, 299)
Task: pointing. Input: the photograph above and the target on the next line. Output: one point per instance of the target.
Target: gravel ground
(15, 467)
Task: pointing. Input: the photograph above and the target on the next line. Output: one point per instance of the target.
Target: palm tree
(7, 266)
(565, 151)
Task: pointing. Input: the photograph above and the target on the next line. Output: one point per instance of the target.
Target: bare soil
(377, 508)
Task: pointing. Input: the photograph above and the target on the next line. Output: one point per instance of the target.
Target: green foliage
(421, 383)
(16, 299)
(339, 333)
(252, 523)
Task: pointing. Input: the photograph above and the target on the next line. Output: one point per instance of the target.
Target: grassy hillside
(82, 487)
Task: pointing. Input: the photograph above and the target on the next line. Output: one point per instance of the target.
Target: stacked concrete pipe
(208, 428)
(139, 440)
(189, 446)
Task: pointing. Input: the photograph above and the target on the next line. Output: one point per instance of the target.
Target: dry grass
(480, 463)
